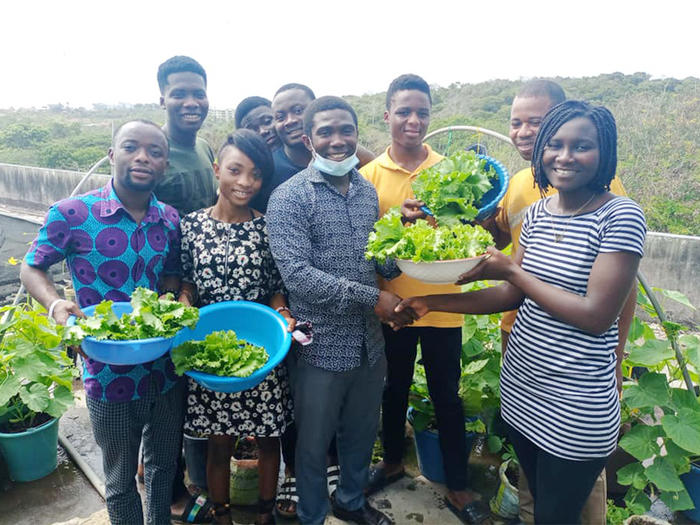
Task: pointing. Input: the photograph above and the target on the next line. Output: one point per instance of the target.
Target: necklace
(559, 235)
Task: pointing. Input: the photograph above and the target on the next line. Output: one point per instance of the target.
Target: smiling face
(333, 134)
(261, 121)
(526, 115)
(239, 179)
(139, 156)
(288, 110)
(408, 117)
(572, 156)
(185, 102)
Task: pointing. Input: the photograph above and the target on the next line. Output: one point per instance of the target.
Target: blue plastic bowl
(489, 201)
(127, 352)
(256, 323)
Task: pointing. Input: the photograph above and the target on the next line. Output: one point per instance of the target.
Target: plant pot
(244, 482)
(31, 454)
(428, 451)
(196, 459)
(506, 502)
(691, 480)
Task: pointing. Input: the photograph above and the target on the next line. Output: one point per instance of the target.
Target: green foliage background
(658, 124)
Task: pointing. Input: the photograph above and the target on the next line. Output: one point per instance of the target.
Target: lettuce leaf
(221, 353)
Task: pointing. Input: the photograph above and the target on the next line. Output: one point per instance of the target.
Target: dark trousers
(560, 487)
(441, 350)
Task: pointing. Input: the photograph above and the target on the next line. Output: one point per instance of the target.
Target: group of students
(281, 216)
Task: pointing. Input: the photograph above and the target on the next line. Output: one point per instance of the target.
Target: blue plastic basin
(691, 480)
(489, 201)
(256, 323)
(127, 352)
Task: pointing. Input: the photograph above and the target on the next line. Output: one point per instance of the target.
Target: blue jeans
(342, 403)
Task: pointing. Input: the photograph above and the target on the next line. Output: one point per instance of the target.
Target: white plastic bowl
(438, 272)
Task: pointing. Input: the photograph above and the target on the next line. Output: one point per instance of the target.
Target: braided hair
(604, 123)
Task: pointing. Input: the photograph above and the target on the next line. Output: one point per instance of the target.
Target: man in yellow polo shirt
(408, 106)
(531, 104)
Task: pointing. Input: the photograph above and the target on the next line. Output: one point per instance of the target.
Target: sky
(80, 52)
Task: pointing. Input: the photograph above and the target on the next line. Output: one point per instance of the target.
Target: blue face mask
(332, 167)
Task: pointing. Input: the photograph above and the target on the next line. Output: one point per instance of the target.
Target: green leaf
(684, 429)
(60, 402)
(676, 296)
(677, 501)
(682, 398)
(636, 329)
(651, 353)
(9, 385)
(691, 345)
(640, 441)
(637, 501)
(632, 474)
(662, 474)
(36, 397)
(474, 366)
(651, 391)
(494, 443)
(679, 458)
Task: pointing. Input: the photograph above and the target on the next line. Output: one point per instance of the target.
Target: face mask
(332, 167)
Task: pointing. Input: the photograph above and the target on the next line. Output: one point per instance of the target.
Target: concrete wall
(35, 189)
(670, 261)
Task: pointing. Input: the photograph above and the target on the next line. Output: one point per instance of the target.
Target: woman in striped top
(576, 264)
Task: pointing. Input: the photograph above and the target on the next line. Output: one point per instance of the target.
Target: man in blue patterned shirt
(318, 222)
(114, 240)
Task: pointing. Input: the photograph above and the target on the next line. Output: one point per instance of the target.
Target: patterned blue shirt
(109, 256)
(318, 238)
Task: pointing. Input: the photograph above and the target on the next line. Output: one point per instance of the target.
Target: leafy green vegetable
(421, 242)
(221, 353)
(150, 317)
(453, 187)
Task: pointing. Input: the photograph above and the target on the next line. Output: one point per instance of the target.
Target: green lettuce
(421, 242)
(453, 187)
(150, 317)
(221, 353)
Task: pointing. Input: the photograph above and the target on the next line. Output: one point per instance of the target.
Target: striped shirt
(558, 382)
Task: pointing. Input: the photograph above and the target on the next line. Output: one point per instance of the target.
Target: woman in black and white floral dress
(226, 257)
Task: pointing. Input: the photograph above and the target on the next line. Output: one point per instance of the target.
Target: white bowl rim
(445, 260)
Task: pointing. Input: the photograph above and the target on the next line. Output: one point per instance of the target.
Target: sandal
(378, 479)
(221, 509)
(332, 477)
(198, 509)
(471, 514)
(287, 497)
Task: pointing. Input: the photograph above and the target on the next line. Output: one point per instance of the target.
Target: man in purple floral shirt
(115, 239)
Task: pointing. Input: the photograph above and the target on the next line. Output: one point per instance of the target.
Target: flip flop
(332, 477)
(471, 514)
(287, 494)
(198, 509)
(378, 479)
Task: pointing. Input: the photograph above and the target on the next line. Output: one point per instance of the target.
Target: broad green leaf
(662, 474)
(684, 429)
(60, 402)
(682, 398)
(640, 441)
(651, 391)
(678, 457)
(677, 501)
(632, 474)
(636, 329)
(494, 443)
(474, 366)
(691, 344)
(676, 296)
(637, 501)
(420, 421)
(36, 397)
(9, 386)
(651, 353)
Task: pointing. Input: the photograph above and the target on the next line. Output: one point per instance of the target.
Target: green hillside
(658, 124)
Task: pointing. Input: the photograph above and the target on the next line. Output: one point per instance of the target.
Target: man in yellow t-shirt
(408, 106)
(529, 107)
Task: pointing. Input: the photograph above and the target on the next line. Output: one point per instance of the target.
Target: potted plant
(478, 389)
(664, 413)
(35, 390)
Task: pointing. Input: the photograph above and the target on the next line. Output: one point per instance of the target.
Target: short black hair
(604, 123)
(254, 147)
(178, 64)
(404, 82)
(141, 121)
(325, 104)
(247, 105)
(543, 88)
(293, 85)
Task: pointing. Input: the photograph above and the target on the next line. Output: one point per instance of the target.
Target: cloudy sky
(84, 52)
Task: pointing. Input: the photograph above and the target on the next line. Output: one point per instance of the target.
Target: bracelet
(52, 306)
(281, 309)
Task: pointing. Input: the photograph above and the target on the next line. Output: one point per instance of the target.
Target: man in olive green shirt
(189, 183)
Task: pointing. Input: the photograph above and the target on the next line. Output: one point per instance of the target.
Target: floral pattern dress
(231, 262)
